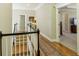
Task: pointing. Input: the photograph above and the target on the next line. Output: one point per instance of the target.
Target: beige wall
(6, 25)
(46, 18)
(78, 28)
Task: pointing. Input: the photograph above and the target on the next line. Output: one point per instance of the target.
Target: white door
(22, 23)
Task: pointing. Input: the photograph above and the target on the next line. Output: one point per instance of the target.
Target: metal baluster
(23, 45)
(6, 47)
(27, 45)
(0, 43)
(11, 46)
(38, 32)
(15, 45)
(19, 44)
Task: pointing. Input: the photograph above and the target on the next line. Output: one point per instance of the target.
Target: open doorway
(68, 26)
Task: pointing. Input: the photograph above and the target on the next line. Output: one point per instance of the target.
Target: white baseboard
(51, 40)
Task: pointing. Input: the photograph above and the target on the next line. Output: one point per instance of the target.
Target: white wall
(6, 26)
(43, 19)
(16, 18)
(46, 18)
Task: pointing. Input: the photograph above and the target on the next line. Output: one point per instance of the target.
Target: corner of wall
(50, 39)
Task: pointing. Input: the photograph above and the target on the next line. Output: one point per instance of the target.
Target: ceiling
(26, 6)
(33, 6)
(72, 5)
(66, 5)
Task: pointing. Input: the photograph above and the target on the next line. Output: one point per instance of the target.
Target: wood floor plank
(48, 48)
(57, 47)
(21, 49)
(63, 50)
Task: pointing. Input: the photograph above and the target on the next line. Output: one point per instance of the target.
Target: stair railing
(30, 28)
(14, 31)
(22, 33)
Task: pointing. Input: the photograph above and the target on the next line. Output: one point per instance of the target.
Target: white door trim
(57, 19)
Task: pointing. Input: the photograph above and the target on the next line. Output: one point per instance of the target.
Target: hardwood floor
(21, 50)
(20, 46)
(48, 48)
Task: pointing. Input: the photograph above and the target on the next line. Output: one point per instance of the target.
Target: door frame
(58, 21)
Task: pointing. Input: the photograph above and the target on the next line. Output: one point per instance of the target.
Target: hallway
(68, 26)
(47, 48)
(69, 40)
(54, 49)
